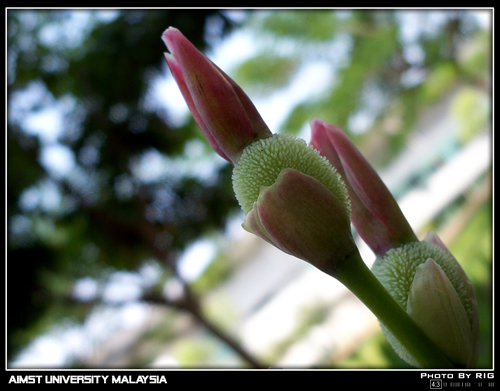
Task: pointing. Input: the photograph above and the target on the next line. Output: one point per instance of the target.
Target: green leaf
(316, 25)
(266, 72)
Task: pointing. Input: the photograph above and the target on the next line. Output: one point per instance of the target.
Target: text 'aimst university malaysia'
(87, 379)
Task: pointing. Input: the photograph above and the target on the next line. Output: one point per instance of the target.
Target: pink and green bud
(301, 198)
(423, 277)
(428, 282)
(294, 199)
(300, 216)
(375, 213)
(469, 295)
(224, 113)
(436, 308)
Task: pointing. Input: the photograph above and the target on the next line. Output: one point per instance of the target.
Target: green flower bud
(397, 271)
(301, 217)
(262, 161)
(435, 307)
(294, 199)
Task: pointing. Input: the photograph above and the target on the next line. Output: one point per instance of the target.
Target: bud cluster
(302, 199)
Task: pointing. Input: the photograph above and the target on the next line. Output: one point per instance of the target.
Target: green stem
(359, 279)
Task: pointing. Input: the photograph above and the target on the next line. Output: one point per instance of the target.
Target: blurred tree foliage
(122, 200)
(385, 67)
(106, 217)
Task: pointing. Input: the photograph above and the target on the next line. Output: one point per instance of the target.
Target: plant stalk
(359, 279)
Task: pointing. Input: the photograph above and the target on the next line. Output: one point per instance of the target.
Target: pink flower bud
(375, 213)
(300, 216)
(224, 113)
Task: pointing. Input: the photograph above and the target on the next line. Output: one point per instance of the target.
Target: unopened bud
(435, 307)
(406, 272)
